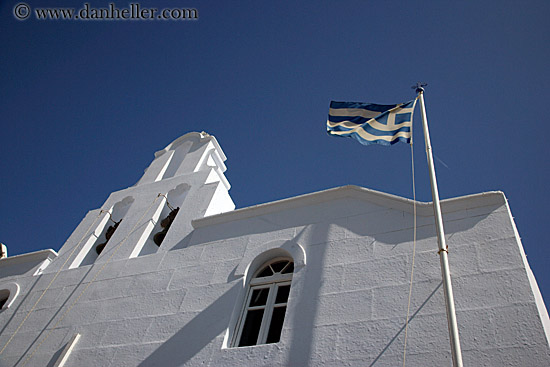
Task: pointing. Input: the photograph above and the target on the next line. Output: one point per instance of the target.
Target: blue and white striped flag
(370, 123)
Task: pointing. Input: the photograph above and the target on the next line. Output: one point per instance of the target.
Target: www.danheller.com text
(134, 11)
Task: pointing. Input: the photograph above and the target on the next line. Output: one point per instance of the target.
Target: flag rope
(413, 253)
(92, 281)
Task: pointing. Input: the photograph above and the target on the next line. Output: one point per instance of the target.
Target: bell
(100, 247)
(165, 224)
(159, 237)
(110, 231)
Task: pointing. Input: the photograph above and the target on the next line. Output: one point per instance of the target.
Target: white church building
(168, 273)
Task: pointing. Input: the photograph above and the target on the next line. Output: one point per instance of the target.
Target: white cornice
(36, 257)
(373, 196)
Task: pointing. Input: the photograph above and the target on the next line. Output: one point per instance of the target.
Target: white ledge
(37, 257)
(373, 196)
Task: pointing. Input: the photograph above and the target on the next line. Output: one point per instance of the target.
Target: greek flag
(370, 123)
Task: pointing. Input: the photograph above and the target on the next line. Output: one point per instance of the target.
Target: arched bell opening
(158, 227)
(107, 223)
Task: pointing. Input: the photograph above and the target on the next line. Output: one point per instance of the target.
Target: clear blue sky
(85, 104)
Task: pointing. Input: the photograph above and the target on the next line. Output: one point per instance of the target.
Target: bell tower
(185, 181)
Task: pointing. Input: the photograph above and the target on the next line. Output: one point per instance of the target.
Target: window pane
(259, 297)
(276, 325)
(279, 265)
(265, 273)
(251, 328)
(289, 269)
(282, 294)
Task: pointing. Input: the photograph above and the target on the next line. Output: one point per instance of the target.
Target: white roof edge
(30, 257)
(201, 136)
(377, 197)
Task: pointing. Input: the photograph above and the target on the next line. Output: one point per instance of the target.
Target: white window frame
(273, 283)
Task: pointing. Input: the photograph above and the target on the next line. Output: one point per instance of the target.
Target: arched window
(262, 319)
(8, 294)
(4, 297)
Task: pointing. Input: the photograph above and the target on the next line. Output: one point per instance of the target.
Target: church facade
(168, 273)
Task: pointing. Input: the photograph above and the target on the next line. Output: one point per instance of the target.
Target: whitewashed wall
(353, 252)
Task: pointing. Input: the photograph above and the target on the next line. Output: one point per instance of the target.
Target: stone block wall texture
(347, 305)
(353, 254)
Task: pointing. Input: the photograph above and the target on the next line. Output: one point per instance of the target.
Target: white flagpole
(443, 254)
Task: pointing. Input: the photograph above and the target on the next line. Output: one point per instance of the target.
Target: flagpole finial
(419, 87)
